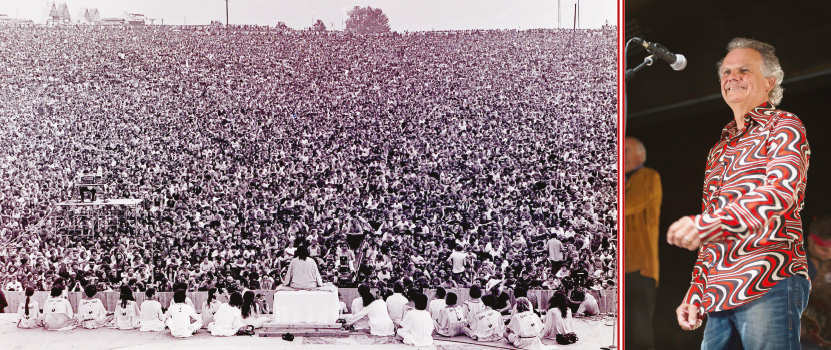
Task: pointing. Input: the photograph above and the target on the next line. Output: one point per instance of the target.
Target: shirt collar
(759, 115)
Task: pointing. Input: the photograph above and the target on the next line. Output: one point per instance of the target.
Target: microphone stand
(648, 61)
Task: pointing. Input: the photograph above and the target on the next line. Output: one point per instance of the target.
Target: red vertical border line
(621, 185)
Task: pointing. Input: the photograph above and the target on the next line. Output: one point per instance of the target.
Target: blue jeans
(770, 322)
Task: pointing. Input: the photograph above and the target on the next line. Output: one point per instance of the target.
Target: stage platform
(593, 333)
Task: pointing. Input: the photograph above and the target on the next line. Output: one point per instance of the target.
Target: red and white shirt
(750, 229)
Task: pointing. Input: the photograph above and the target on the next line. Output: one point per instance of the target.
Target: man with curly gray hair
(751, 278)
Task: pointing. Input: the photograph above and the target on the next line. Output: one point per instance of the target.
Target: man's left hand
(683, 233)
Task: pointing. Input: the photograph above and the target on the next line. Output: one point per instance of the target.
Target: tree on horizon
(365, 20)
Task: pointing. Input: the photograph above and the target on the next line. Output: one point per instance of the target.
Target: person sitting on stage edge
(29, 312)
(525, 327)
(451, 319)
(210, 307)
(91, 311)
(487, 325)
(127, 313)
(152, 317)
(558, 320)
(228, 318)
(375, 310)
(251, 313)
(417, 326)
(181, 318)
(437, 304)
(57, 312)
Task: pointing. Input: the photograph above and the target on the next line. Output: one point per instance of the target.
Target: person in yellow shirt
(642, 209)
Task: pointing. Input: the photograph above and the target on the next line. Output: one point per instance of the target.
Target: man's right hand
(688, 317)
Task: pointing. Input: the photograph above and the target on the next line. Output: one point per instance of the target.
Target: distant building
(88, 16)
(135, 19)
(56, 14)
(112, 21)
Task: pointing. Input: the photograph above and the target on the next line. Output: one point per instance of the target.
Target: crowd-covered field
(243, 142)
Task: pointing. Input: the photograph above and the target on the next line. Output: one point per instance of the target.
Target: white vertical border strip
(621, 186)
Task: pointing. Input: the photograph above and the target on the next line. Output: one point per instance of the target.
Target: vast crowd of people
(384, 154)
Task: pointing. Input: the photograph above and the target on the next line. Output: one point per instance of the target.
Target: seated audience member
(451, 319)
(557, 322)
(127, 313)
(474, 305)
(396, 302)
(91, 311)
(417, 326)
(375, 311)
(228, 318)
(525, 327)
(181, 318)
(209, 307)
(358, 305)
(342, 309)
(588, 306)
(28, 312)
(437, 304)
(487, 325)
(251, 314)
(57, 312)
(152, 317)
(303, 274)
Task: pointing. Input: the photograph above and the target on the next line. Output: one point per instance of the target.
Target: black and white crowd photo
(382, 174)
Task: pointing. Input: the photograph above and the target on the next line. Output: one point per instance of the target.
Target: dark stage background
(679, 115)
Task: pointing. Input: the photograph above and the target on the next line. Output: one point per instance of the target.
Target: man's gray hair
(770, 64)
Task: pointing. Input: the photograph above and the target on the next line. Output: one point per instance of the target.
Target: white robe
(128, 317)
(486, 326)
(58, 315)
(526, 328)
(209, 311)
(555, 323)
(435, 307)
(380, 322)
(471, 308)
(152, 317)
(417, 328)
(92, 314)
(178, 319)
(357, 306)
(227, 321)
(395, 306)
(451, 321)
(33, 319)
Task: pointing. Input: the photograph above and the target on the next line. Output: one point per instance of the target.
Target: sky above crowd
(423, 15)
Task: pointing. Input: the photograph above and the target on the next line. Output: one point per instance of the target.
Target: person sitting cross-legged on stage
(375, 310)
(487, 325)
(228, 318)
(525, 327)
(28, 312)
(181, 318)
(91, 311)
(57, 312)
(251, 313)
(417, 326)
(303, 274)
(451, 319)
(210, 307)
(127, 313)
(152, 317)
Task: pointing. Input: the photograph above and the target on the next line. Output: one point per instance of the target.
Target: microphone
(677, 62)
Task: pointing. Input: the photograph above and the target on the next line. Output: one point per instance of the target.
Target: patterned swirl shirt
(750, 229)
